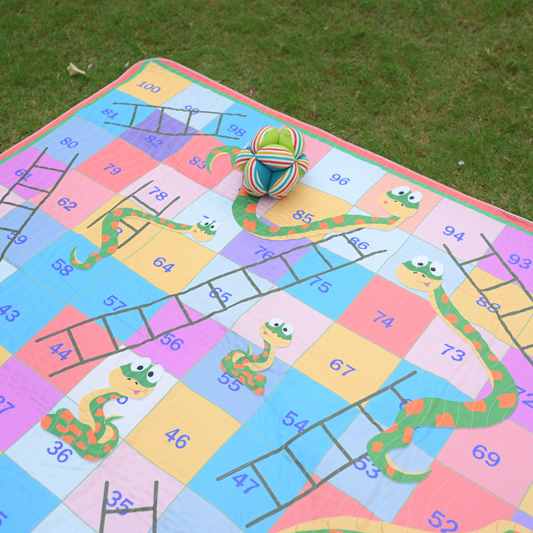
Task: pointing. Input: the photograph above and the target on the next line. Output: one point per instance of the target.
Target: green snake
(421, 274)
(202, 231)
(245, 367)
(92, 435)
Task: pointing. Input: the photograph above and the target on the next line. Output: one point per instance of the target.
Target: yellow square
(338, 350)
(509, 298)
(527, 502)
(154, 84)
(207, 427)
(526, 337)
(4, 355)
(304, 205)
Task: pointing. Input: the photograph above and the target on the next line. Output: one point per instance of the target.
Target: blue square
(331, 293)
(25, 308)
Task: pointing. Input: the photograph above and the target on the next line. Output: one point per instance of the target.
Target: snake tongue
(426, 284)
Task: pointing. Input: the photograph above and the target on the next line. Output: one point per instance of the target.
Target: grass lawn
(425, 83)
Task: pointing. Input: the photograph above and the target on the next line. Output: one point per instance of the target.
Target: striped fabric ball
(273, 162)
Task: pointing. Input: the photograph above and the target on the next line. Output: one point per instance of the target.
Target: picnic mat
(180, 356)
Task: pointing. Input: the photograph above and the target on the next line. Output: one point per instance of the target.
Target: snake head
(420, 273)
(276, 332)
(401, 202)
(136, 380)
(205, 230)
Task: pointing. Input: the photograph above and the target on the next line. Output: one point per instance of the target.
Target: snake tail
(232, 151)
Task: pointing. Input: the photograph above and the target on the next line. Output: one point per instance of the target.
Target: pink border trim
(523, 223)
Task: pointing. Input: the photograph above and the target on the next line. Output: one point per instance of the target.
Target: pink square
(12, 197)
(308, 324)
(230, 185)
(315, 150)
(388, 315)
(130, 477)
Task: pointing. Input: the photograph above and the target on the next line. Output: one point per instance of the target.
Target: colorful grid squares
(232, 288)
(177, 351)
(75, 136)
(343, 175)
(202, 104)
(315, 150)
(23, 501)
(459, 227)
(448, 499)
(117, 165)
(441, 351)
(330, 293)
(347, 364)
(208, 379)
(10, 197)
(159, 135)
(388, 315)
(55, 353)
(165, 84)
(190, 161)
(26, 308)
(370, 201)
(62, 520)
(40, 231)
(362, 481)
(494, 457)
(114, 111)
(516, 249)
(189, 513)
(131, 484)
(28, 397)
(160, 437)
(308, 324)
(385, 407)
(243, 497)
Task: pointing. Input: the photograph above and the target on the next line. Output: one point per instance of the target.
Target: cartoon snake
(93, 436)
(202, 231)
(245, 367)
(421, 274)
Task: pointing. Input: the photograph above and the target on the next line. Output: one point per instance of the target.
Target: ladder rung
(30, 187)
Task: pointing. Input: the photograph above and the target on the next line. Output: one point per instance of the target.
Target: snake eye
(415, 197)
(275, 322)
(155, 374)
(420, 261)
(140, 365)
(214, 226)
(400, 191)
(436, 268)
(205, 222)
(287, 329)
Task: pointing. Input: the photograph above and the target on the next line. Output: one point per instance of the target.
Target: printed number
(266, 254)
(61, 266)
(110, 113)
(181, 442)
(19, 240)
(65, 203)
(235, 129)
(194, 110)
(339, 179)
(198, 162)
(302, 215)
(11, 406)
(403, 404)
(459, 354)
(149, 87)
(160, 262)
(223, 296)
(361, 245)
(3, 516)
(240, 482)
(151, 139)
(63, 455)
(479, 453)
(438, 522)
(63, 355)
(450, 231)
(21, 172)
(175, 344)
(69, 143)
(324, 286)
(300, 426)
(492, 308)
(529, 403)
(387, 321)
(226, 381)
(514, 259)
(10, 318)
(112, 299)
(122, 503)
(161, 194)
(336, 364)
(114, 169)
(374, 471)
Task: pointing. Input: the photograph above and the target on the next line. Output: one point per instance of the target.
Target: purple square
(157, 145)
(524, 519)
(32, 398)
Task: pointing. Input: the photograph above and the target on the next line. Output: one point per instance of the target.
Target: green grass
(423, 83)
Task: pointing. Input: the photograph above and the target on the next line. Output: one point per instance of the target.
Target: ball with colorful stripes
(273, 162)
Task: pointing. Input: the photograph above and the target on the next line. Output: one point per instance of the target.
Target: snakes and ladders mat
(351, 353)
